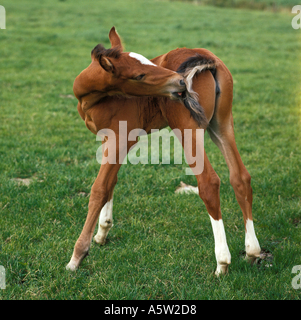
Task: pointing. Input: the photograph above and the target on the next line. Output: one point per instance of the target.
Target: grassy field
(161, 245)
(275, 5)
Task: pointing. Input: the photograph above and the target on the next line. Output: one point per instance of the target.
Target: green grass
(161, 245)
(274, 5)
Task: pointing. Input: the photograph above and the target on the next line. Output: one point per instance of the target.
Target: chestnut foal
(183, 89)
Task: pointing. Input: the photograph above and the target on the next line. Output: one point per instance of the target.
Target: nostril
(182, 83)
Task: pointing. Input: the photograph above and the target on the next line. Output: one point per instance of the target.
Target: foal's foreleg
(100, 194)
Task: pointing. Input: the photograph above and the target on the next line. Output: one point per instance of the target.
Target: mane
(189, 68)
(100, 50)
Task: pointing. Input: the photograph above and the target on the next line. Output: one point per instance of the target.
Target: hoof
(100, 240)
(221, 269)
(251, 259)
(75, 262)
(71, 266)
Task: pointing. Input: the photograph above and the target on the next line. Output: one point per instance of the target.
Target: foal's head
(132, 74)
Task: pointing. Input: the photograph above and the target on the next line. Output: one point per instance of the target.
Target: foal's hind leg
(240, 180)
(221, 130)
(209, 186)
(208, 182)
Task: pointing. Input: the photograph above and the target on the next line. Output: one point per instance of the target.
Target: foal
(183, 89)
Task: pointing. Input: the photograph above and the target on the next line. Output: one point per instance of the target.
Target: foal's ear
(115, 39)
(106, 64)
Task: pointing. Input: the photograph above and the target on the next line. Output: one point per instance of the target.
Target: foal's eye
(140, 77)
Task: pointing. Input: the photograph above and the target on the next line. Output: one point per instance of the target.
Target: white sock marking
(222, 253)
(105, 222)
(106, 215)
(251, 242)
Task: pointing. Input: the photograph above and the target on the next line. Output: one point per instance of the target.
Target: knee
(246, 178)
(213, 183)
(100, 191)
(210, 190)
(242, 186)
(99, 194)
(237, 183)
(241, 182)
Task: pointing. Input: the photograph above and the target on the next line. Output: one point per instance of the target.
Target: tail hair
(189, 69)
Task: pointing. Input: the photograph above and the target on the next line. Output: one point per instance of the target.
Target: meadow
(274, 5)
(161, 245)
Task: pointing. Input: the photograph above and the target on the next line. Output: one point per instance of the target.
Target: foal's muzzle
(179, 90)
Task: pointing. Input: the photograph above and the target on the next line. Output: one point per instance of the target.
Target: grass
(274, 5)
(161, 245)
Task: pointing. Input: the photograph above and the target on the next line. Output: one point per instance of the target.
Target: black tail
(189, 69)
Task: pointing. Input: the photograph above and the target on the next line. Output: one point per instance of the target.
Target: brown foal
(184, 89)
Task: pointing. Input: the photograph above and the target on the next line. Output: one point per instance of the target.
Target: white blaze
(140, 58)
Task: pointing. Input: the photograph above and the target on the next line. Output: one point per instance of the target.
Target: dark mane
(100, 50)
